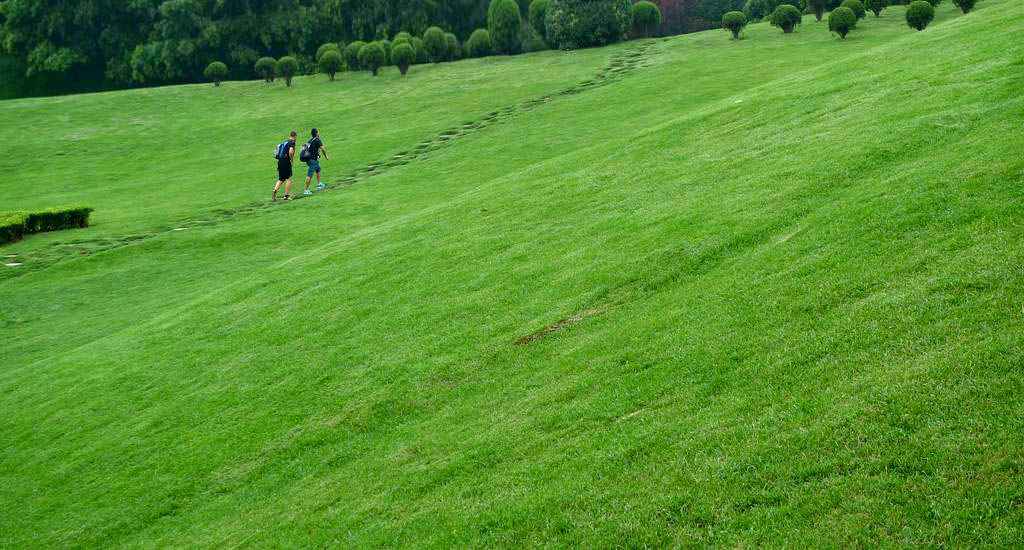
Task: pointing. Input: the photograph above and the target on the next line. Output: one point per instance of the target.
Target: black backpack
(304, 155)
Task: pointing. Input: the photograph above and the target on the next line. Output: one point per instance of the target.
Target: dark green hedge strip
(15, 225)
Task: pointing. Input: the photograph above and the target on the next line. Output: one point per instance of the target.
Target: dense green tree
(372, 57)
(586, 23)
(435, 44)
(817, 7)
(266, 68)
(503, 21)
(479, 44)
(453, 50)
(841, 21)
(856, 6)
(786, 17)
(330, 46)
(420, 49)
(756, 10)
(537, 15)
(215, 72)
(402, 55)
(645, 18)
(287, 67)
(351, 55)
(876, 6)
(734, 22)
(920, 14)
(330, 63)
(965, 5)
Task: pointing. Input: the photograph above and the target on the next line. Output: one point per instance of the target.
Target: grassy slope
(796, 272)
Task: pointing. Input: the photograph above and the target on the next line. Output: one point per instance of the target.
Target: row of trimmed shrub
(15, 225)
(566, 24)
(843, 19)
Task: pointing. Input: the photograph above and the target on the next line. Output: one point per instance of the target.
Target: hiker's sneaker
(307, 192)
(287, 198)
(320, 186)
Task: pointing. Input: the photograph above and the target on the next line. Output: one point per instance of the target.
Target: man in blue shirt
(316, 146)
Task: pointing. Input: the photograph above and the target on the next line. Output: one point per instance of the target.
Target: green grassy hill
(689, 291)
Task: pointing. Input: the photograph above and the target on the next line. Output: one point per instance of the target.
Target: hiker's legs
(276, 187)
(288, 187)
(308, 179)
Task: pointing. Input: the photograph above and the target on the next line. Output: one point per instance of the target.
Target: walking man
(315, 147)
(285, 158)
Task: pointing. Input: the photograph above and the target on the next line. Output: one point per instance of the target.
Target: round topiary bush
(352, 55)
(841, 21)
(287, 67)
(876, 6)
(435, 44)
(734, 22)
(216, 72)
(503, 21)
(479, 43)
(453, 52)
(537, 15)
(786, 17)
(856, 6)
(402, 55)
(372, 57)
(919, 14)
(266, 67)
(756, 10)
(646, 18)
(420, 49)
(330, 63)
(817, 7)
(330, 46)
(584, 23)
(400, 37)
(965, 5)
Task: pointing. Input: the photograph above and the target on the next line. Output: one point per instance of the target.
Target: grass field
(679, 292)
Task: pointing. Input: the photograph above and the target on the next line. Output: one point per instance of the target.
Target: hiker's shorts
(284, 171)
(314, 168)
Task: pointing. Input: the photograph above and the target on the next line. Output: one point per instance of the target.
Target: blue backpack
(281, 153)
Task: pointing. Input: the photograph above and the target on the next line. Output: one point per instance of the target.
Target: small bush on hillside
(15, 225)
(734, 22)
(479, 44)
(216, 72)
(352, 55)
(876, 6)
(965, 5)
(530, 40)
(420, 49)
(328, 47)
(585, 23)
(330, 63)
(817, 7)
(919, 14)
(435, 44)
(287, 67)
(453, 52)
(402, 55)
(503, 21)
(841, 21)
(402, 36)
(756, 10)
(786, 17)
(856, 6)
(537, 16)
(372, 57)
(646, 18)
(266, 67)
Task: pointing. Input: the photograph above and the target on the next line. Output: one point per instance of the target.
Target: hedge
(14, 225)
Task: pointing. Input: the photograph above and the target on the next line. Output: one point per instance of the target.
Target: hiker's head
(294, 135)
(314, 133)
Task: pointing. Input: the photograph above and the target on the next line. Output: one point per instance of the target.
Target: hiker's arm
(291, 156)
(324, 151)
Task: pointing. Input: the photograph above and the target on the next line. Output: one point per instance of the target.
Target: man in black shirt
(284, 168)
(316, 146)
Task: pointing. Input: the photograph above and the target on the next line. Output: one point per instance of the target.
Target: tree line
(168, 41)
